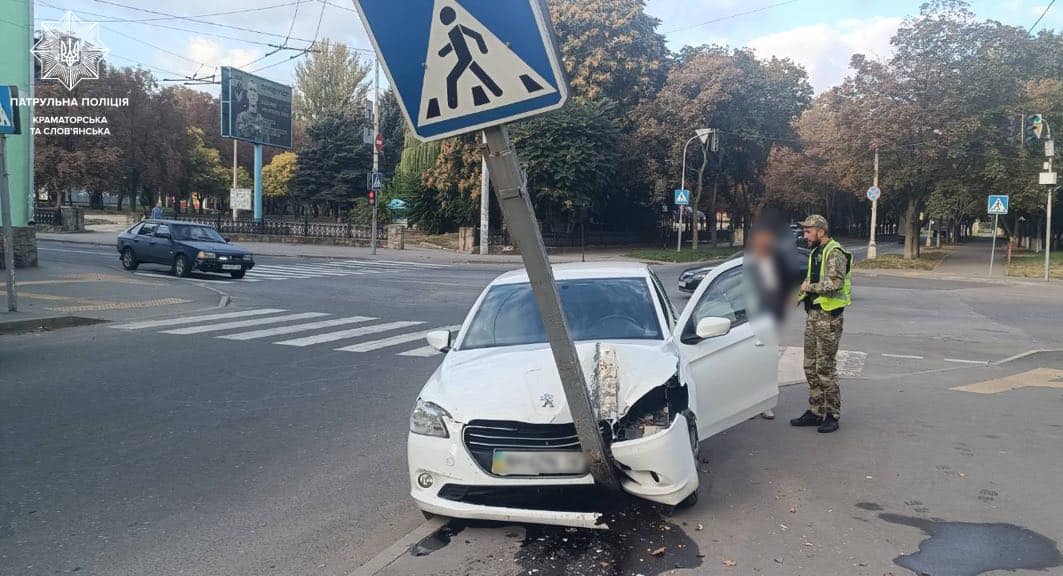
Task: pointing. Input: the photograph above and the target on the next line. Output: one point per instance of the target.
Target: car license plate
(231, 267)
(505, 463)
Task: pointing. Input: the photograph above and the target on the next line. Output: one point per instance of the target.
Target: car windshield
(196, 234)
(596, 309)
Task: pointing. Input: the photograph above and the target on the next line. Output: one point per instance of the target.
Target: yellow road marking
(1037, 378)
(102, 306)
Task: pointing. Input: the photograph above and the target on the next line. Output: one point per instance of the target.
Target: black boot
(807, 419)
(830, 424)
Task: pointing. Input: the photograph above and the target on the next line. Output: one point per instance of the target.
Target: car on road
(184, 247)
(491, 436)
(691, 278)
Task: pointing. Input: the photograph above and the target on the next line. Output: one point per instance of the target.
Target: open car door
(729, 363)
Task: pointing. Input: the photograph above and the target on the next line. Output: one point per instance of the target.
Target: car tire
(238, 275)
(129, 259)
(427, 515)
(181, 267)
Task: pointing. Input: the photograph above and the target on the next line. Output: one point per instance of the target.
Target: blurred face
(762, 243)
(814, 236)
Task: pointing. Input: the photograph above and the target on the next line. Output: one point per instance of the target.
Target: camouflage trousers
(822, 335)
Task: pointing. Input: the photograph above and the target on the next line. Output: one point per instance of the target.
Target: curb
(392, 553)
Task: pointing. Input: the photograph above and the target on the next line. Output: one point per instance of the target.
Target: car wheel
(181, 268)
(129, 259)
(427, 515)
(238, 275)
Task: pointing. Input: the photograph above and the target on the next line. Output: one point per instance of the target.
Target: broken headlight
(427, 420)
(652, 413)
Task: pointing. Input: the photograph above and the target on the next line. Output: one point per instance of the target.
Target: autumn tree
(331, 82)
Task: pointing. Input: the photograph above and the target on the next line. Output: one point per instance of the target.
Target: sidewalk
(971, 259)
(413, 254)
(60, 296)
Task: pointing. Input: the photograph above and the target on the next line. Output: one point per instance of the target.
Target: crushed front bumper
(445, 480)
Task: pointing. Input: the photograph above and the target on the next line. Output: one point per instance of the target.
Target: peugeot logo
(547, 400)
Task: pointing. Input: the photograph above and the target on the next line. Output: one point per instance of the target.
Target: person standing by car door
(825, 293)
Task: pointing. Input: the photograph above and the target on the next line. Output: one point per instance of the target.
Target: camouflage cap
(815, 221)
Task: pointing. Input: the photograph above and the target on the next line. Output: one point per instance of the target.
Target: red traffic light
(372, 198)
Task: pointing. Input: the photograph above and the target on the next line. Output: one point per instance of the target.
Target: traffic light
(1035, 125)
(372, 198)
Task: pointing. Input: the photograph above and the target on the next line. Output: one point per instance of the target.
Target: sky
(821, 35)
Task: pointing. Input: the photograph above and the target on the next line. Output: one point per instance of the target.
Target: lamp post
(703, 134)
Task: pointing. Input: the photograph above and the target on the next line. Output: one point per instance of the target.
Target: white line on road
(195, 319)
(393, 341)
(115, 254)
(297, 328)
(243, 323)
(352, 333)
(955, 361)
(425, 352)
(905, 356)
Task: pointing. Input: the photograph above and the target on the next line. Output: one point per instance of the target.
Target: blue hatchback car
(183, 247)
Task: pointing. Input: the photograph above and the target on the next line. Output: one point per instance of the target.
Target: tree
(203, 172)
(277, 177)
(330, 83)
(333, 166)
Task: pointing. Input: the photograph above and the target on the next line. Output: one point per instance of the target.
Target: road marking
(297, 328)
(115, 254)
(345, 334)
(243, 323)
(1037, 378)
(393, 341)
(103, 306)
(301, 271)
(956, 361)
(425, 352)
(196, 319)
(905, 356)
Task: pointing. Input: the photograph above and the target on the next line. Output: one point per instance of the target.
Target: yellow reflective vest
(839, 298)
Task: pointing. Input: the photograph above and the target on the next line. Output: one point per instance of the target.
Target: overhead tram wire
(1041, 17)
(312, 47)
(199, 21)
(729, 17)
(208, 15)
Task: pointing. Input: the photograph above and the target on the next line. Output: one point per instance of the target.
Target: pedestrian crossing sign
(682, 197)
(464, 65)
(998, 205)
(9, 120)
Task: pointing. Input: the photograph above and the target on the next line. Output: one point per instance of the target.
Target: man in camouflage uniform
(825, 295)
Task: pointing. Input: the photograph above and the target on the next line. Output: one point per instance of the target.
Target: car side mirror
(712, 327)
(439, 339)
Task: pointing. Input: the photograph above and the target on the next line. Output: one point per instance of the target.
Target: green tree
(333, 165)
(277, 177)
(330, 83)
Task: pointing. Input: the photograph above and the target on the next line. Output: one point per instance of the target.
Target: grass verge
(686, 255)
(928, 260)
(1032, 265)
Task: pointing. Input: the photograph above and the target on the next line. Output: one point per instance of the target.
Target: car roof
(579, 270)
(171, 222)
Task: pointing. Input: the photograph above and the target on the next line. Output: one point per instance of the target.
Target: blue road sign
(463, 65)
(682, 197)
(377, 181)
(9, 120)
(874, 193)
(998, 205)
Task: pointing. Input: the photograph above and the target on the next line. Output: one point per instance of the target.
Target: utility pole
(376, 151)
(703, 134)
(485, 204)
(872, 247)
(1050, 150)
(9, 233)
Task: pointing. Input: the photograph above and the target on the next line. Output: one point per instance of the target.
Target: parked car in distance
(183, 247)
(491, 435)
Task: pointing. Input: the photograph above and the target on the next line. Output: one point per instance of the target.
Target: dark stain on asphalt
(869, 506)
(438, 539)
(968, 549)
(640, 540)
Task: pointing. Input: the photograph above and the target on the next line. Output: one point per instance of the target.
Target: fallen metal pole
(520, 219)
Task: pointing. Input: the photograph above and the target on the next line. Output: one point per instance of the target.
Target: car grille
(565, 498)
(483, 437)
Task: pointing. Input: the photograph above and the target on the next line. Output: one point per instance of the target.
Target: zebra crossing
(333, 268)
(301, 330)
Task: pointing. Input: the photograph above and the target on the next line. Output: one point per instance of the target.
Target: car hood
(521, 382)
(216, 247)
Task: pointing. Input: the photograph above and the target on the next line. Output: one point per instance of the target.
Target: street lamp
(702, 134)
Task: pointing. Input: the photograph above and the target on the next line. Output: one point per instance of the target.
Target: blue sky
(819, 34)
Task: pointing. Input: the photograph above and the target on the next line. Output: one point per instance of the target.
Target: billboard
(255, 110)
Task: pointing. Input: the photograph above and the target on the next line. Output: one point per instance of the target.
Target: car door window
(724, 298)
(163, 231)
(147, 230)
(666, 305)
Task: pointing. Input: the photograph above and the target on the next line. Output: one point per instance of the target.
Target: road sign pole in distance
(9, 124)
(464, 65)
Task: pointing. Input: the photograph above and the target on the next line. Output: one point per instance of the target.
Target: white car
(491, 436)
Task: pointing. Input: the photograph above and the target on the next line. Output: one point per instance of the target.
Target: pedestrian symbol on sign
(459, 80)
(682, 197)
(998, 205)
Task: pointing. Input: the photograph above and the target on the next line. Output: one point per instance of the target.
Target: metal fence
(294, 228)
(591, 235)
(48, 216)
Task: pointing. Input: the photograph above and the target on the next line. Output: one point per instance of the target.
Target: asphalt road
(137, 451)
